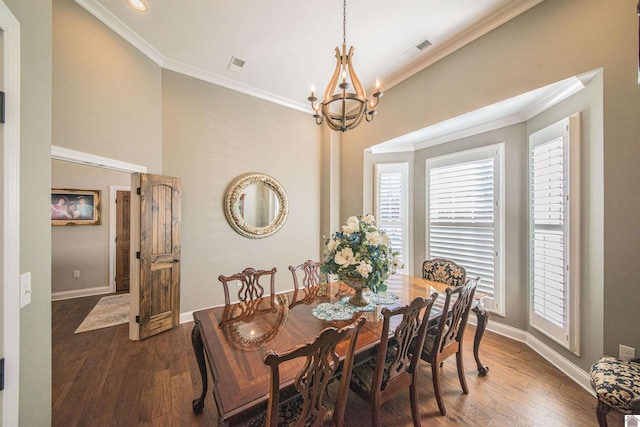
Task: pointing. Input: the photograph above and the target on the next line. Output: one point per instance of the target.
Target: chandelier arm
(333, 83)
(354, 77)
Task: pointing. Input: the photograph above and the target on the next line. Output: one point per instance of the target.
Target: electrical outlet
(76, 273)
(627, 353)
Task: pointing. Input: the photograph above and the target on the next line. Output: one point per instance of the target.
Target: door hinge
(138, 192)
(2, 374)
(2, 107)
(137, 319)
(138, 254)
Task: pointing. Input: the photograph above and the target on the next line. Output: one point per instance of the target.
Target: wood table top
(237, 337)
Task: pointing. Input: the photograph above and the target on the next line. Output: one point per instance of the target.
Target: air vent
(418, 48)
(235, 65)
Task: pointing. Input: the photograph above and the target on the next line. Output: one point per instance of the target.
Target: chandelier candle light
(344, 110)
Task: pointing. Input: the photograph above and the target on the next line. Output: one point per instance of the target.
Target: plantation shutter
(461, 218)
(548, 183)
(391, 206)
(554, 231)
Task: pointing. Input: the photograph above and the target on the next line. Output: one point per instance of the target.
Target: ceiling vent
(420, 47)
(235, 65)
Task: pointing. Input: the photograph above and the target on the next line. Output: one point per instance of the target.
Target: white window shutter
(461, 211)
(392, 206)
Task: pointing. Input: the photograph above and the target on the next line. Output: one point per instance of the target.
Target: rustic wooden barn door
(159, 254)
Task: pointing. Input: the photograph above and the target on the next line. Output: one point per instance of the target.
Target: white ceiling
(288, 45)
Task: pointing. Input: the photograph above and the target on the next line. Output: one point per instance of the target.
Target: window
(391, 206)
(554, 208)
(464, 221)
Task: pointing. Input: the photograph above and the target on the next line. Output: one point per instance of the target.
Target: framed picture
(75, 207)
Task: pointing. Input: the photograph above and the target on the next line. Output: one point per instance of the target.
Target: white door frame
(10, 263)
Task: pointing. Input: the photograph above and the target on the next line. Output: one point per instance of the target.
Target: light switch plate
(25, 289)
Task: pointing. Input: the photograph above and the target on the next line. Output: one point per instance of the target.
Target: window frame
(569, 129)
(497, 304)
(403, 168)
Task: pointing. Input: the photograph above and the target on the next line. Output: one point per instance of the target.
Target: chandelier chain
(344, 21)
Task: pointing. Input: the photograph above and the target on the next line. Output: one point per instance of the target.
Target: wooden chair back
(321, 365)
(444, 271)
(312, 276)
(395, 366)
(445, 340)
(250, 286)
(453, 322)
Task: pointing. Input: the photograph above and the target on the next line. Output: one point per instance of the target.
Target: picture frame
(75, 207)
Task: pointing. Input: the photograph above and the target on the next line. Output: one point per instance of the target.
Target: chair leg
(435, 373)
(602, 409)
(461, 377)
(374, 406)
(415, 411)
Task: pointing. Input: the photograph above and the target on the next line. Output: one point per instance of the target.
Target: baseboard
(576, 374)
(57, 296)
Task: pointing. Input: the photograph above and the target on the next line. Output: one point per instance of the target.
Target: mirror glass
(256, 205)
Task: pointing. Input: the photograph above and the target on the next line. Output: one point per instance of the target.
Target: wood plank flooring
(101, 378)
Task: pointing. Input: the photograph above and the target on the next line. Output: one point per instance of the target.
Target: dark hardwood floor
(101, 378)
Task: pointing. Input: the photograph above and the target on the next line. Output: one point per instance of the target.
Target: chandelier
(344, 110)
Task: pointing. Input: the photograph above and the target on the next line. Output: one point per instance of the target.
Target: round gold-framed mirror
(256, 205)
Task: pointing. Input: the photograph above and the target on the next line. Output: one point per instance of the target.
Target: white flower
(386, 240)
(364, 269)
(345, 257)
(352, 226)
(373, 238)
(368, 219)
(396, 264)
(332, 245)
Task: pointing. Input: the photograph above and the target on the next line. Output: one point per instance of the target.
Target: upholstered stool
(617, 385)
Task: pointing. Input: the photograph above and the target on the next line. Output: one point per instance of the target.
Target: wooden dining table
(234, 339)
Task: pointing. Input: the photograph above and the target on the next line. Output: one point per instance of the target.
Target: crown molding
(110, 20)
(219, 80)
(434, 54)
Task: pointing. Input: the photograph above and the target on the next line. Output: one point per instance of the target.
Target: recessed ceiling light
(137, 5)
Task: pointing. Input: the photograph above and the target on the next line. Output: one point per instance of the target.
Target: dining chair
(311, 274)
(446, 339)
(394, 367)
(249, 282)
(310, 406)
(444, 271)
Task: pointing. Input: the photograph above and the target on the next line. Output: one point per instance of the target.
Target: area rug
(109, 311)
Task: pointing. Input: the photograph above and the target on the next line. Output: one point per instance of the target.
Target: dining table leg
(198, 348)
(482, 316)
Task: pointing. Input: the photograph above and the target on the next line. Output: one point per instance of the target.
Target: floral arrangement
(360, 250)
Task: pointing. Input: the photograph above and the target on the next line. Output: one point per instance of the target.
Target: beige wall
(35, 237)
(212, 135)
(550, 42)
(106, 94)
(84, 248)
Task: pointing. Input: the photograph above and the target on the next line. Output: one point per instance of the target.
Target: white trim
(435, 54)
(95, 8)
(10, 265)
(575, 373)
(57, 296)
(65, 154)
(113, 225)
